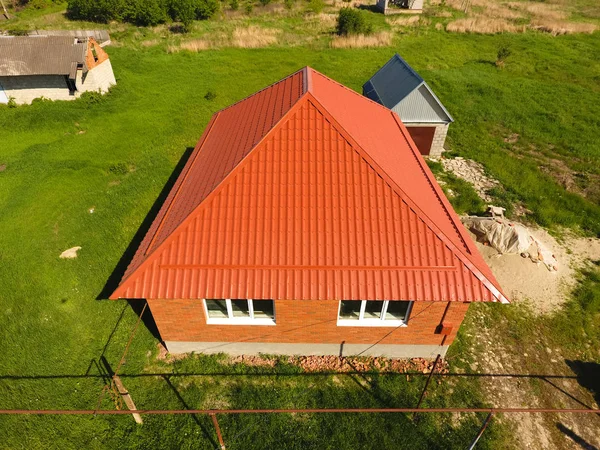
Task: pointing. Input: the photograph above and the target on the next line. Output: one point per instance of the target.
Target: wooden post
(4, 8)
(127, 398)
(218, 429)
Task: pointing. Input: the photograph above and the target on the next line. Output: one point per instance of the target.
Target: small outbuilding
(53, 67)
(400, 6)
(306, 222)
(398, 87)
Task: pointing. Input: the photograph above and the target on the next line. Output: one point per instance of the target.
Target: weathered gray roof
(40, 55)
(100, 36)
(398, 87)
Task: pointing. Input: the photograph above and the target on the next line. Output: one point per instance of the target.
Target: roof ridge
(185, 176)
(264, 89)
(409, 67)
(167, 239)
(351, 90)
(495, 290)
(445, 205)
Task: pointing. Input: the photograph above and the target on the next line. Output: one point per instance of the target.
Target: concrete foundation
(254, 348)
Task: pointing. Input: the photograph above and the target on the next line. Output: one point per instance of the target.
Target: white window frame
(381, 322)
(231, 320)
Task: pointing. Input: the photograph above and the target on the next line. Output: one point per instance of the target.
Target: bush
(210, 95)
(352, 21)
(289, 4)
(91, 97)
(184, 11)
(96, 10)
(142, 12)
(503, 52)
(265, 2)
(205, 9)
(145, 12)
(234, 4)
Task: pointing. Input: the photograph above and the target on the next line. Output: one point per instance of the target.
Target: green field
(114, 156)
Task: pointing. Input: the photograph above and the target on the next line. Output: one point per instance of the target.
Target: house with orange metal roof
(307, 222)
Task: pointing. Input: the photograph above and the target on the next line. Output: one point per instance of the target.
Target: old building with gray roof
(53, 67)
(398, 87)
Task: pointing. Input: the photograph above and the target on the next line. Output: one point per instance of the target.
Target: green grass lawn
(115, 156)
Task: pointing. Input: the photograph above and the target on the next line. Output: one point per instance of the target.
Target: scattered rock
(70, 253)
(91, 210)
(2, 167)
(512, 138)
(472, 172)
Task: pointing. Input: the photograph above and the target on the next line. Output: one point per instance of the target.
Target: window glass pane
(397, 310)
(217, 309)
(240, 308)
(263, 309)
(373, 309)
(350, 309)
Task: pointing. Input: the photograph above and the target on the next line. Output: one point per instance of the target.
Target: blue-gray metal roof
(398, 87)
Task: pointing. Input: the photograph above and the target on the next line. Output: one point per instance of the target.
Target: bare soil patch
(524, 280)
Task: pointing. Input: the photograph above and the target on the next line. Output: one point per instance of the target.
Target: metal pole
(437, 360)
(483, 427)
(112, 412)
(219, 435)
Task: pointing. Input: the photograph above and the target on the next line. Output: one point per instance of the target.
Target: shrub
(145, 12)
(91, 97)
(234, 4)
(119, 168)
(249, 8)
(289, 4)
(96, 10)
(265, 2)
(142, 12)
(503, 52)
(352, 21)
(210, 95)
(205, 9)
(184, 11)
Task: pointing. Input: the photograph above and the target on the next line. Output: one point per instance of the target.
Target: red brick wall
(303, 322)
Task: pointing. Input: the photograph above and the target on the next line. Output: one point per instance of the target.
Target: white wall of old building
(100, 78)
(25, 88)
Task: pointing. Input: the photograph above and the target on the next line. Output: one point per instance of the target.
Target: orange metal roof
(307, 190)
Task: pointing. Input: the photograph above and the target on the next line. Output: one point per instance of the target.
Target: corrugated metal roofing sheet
(40, 55)
(320, 208)
(398, 87)
(420, 107)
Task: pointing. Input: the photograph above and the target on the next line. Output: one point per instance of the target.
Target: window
(233, 311)
(374, 313)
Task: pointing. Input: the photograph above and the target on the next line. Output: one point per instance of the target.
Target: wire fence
(113, 380)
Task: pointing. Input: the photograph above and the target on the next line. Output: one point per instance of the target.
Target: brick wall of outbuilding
(304, 322)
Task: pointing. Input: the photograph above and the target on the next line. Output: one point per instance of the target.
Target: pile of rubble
(253, 360)
(366, 364)
(343, 364)
(472, 172)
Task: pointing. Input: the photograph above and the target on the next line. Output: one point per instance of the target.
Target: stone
(70, 253)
